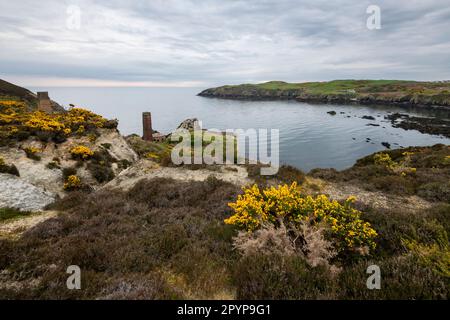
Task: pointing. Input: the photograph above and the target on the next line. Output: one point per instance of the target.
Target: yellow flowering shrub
(286, 203)
(152, 155)
(43, 122)
(384, 159)
(402, 168)
(76, 120)
(447, 160)
(32, 153)
(72, 183)
(81, 152)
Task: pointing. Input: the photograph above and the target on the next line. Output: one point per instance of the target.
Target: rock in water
(386, 144)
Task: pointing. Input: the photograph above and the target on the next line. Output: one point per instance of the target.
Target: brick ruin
(147, 126)
(44, 102)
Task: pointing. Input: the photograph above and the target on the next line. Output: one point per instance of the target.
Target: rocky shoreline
(325, 99)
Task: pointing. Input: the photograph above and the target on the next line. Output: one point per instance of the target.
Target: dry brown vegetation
(166, 239)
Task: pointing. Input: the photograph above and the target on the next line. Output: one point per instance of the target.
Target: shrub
(279, 277)
(394, 183)
(435, 191)
(72, 183)
(10, 169)
(111, 124)
(100, 166)
(401, 278)
(32, 153)
(19, 123)
(124, 163)
(70, 171)
(101, 172)
(286, 203)
(137, 286)
(305, 241)
(435, 257)
(81, 152)
(53, 165)
(286, 174)
(266, 240)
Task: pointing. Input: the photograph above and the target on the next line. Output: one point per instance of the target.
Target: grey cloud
(232, 41)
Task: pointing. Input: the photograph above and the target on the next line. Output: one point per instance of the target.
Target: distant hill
(9, 91)
(397, 92)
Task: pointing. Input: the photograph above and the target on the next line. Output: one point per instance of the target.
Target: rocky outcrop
(422, 124)
(148, 169)
(19, 194)
(190, 124)
(49, 179)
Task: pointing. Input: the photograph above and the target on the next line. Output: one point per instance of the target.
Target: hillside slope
(9, 91)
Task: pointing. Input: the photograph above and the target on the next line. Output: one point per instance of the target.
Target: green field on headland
(398, 92)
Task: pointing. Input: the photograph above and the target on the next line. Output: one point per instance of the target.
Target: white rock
(19, 194)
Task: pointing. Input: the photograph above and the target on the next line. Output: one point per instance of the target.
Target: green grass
(338, 86)
(8, 214)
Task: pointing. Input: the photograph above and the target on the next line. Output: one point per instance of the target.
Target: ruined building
(44, 102)
(147, 126)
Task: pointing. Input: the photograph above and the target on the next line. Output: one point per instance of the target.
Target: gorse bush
(286, 203)
(10, 169)
(401, 167)
(81, 152)
(72, 183)
(32, 153)
(16, 122)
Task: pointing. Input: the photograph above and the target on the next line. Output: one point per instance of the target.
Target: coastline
(358, 92)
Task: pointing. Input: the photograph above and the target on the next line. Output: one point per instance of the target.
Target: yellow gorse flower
(73, 182)
(81, 152)
(255, 207)
(13, 113)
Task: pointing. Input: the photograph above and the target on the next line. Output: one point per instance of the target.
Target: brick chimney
(44, 103)
(147, 126)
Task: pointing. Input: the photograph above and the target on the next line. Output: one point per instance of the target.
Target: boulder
(18, 194)
(190, 124)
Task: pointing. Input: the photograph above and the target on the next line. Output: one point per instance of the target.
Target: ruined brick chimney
(44, 102)
(147, 126)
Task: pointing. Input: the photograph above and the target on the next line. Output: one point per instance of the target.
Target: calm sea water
(309, 137)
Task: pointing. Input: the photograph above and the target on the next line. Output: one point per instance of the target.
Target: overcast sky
(212, 42)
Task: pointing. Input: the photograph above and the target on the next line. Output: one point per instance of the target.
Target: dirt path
(148, 169)
(374, 199)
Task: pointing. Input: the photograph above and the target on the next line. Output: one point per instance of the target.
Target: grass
(337, 86)
(9, 214)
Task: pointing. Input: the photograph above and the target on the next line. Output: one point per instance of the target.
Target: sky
(201, 43)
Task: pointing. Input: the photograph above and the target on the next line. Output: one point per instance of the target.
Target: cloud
(209, 42)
